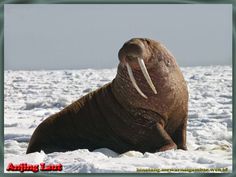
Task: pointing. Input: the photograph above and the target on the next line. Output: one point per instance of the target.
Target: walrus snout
(132, 50)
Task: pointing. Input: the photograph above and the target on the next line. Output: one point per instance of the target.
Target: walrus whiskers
(146, 75)
(131, 76)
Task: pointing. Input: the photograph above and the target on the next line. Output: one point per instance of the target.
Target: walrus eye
(134, 82)
(146, 75)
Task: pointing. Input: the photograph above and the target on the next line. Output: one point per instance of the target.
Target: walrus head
(143, 54)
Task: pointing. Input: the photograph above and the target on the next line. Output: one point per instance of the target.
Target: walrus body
(117, 117)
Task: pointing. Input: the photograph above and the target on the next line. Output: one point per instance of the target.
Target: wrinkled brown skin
(117, 117)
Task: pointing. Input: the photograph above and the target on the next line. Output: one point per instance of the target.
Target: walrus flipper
(39, 139)
(166, 141)
(179, 137)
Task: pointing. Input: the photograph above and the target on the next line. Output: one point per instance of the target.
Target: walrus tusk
(146, 75)
(131, 76)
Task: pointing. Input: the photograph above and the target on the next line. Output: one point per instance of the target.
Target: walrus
(144, 108)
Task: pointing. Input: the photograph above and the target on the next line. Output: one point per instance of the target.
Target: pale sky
(78, 36)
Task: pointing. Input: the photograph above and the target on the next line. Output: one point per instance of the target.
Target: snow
(32, 96)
